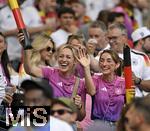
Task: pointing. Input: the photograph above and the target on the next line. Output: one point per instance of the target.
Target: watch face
(138, 81)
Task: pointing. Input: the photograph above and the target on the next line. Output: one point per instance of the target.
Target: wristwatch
(138, 81)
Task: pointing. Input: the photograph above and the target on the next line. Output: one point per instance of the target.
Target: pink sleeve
(82, 90)
(47, 72)
(95, 80)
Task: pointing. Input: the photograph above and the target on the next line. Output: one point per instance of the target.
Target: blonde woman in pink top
(62, 79)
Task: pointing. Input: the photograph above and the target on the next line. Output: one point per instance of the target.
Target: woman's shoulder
(120, 78)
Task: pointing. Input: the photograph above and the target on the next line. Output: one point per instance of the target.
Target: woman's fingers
(77, 100)
(8, 98)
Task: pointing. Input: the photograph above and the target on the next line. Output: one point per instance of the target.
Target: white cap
(140, 33)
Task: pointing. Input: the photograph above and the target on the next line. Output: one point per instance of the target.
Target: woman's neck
(67, 74)
(109, 78)
(42, 63)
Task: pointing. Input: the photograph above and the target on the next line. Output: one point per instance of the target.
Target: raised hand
(24, 40)
(21, 38)
(8, 98)
(130, 94)
(82, 57)
(78, 101)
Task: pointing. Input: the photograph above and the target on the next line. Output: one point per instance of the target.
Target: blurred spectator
(28, 3)
(138, 115)
(47, 12)
(103, 16)
(141, 39)
(77, 42)
(6, 70)
(117, 35)
(116, 17)
(65, 109)
(79, 7)
(67, 26)
(95, 6)
(122, 123)
(43, 51)
(38, 92)
(127, 8)
(3, 3)
(146, 18)
(91, 46)
(97, 30)
(8, 27)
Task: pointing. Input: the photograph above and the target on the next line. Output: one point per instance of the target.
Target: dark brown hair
(5, 61)
(116, 59)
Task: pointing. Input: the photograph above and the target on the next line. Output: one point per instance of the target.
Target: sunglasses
(50, 49)
(60, 112)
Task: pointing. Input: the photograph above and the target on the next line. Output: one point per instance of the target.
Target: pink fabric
(87, 120)
(109, 98)
(63, 86)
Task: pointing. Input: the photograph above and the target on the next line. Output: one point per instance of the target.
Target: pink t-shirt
(109, 98)
(63, 86)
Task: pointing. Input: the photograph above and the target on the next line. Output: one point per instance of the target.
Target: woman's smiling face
(107, 64)
(66, 60)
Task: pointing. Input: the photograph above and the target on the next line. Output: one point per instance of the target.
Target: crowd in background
(75, 63)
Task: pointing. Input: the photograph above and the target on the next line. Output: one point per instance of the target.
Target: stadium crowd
(73, 63)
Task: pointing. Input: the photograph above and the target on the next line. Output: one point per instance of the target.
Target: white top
(55, 125)
(140, 68)
(3, 84)
(93, 7)
(58, 125)
(60, 37)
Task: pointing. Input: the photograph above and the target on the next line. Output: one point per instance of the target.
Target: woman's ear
(117, 65)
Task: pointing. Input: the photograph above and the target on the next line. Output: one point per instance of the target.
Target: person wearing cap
(65, 109)
(141, 40)
(117, 35)
(38, 92)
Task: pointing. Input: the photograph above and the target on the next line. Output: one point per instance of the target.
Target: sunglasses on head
(60, 112)
(50, 49)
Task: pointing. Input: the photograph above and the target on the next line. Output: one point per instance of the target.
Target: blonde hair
(38, 44)
(80, 38)
(73, 50)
